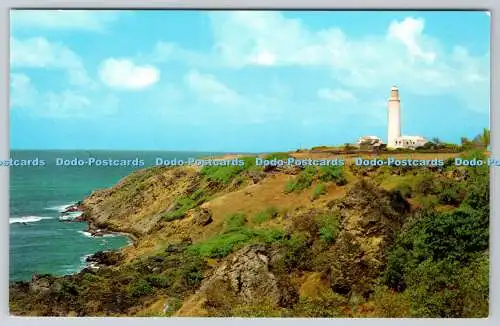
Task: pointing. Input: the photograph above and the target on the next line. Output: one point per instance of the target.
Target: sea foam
(87, 234)
(28, 219)
(60, 208)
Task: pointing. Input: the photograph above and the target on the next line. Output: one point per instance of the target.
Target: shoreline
(74, 208)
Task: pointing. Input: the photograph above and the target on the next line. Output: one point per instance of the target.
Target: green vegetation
(223, 175)
(440, 260)
(329, 226)
(235, 221)
(310, 173)
(397, 242)
(303, 181)
(222, 245)
(319, 190)
(277, 156)
(265, 215)
(333, 174)
(405, 189)
(139, 288)
(183, 204)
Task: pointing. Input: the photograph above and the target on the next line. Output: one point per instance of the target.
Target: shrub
(426, 185)
(333, 173)
(328, 304)
(159, 281)
(390, 304)
(235, 221)
(183, 204)
(302, 181)
(319, 190)
(452, 193)
(223, 244)
(277, 156)
(265, 215)
(329, 227)
(404, 189)
(140, 288)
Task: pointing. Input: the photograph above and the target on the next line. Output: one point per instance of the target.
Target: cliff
(280, 241)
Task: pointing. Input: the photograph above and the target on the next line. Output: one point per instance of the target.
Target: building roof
(411, 138)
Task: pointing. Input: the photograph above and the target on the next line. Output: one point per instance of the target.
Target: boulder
(202, 217)
(244, 278)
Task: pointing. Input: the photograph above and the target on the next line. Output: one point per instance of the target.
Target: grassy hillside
(283, 241)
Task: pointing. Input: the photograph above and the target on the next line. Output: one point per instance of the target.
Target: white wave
(83, 259)
(60, 208)
(110, 235)
(86, 264)
(85, 233)
(71, 215)
(65, 218)
(28, 219)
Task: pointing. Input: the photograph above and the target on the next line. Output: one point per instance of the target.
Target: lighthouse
(393, 118)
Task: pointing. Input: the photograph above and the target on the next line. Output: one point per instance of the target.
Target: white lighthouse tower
(393, 118)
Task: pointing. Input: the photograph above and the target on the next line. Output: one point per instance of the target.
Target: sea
(39, 241)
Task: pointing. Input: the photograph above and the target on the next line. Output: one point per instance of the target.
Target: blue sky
(243, 81)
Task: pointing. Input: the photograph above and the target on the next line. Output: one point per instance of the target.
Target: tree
(485, 138)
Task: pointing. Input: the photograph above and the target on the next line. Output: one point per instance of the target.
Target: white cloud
(87, 20)
(124, 74)
(336, 95)
(38, 52)
(409, 31)
(64, 104)
(22, 91)
(404, 55)
(265, 58)
(209, 88)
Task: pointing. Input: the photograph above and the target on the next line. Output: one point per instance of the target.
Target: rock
(71, 209)
(290, 169)
(202, 217)
(39, 283)
(107, 258)
(178, 247)
(244, 278)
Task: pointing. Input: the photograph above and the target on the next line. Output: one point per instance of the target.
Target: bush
(265, 215)
(404, 189)
(277, 156)
(223, 244)
(140, 288)
(159, 281)
(333, 173)
(452, 193)
(390, 304)
(235, 221)
(302, 181)
(183, 204)
(426, 185)
(327, 305)
(319, 190)
(329, 227)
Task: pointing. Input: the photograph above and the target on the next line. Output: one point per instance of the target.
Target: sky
(243, 81)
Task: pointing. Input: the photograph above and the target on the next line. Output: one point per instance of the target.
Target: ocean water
(39, 242)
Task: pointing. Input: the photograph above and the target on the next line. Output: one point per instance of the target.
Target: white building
(369, 140)
(410, 142)
(394, 137)
(393, 118)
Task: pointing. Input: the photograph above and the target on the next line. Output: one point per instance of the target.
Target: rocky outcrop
(370, 218)
(245, 278)
(202, 217)
(106, 258)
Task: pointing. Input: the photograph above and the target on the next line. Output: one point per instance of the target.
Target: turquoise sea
(39, 242)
